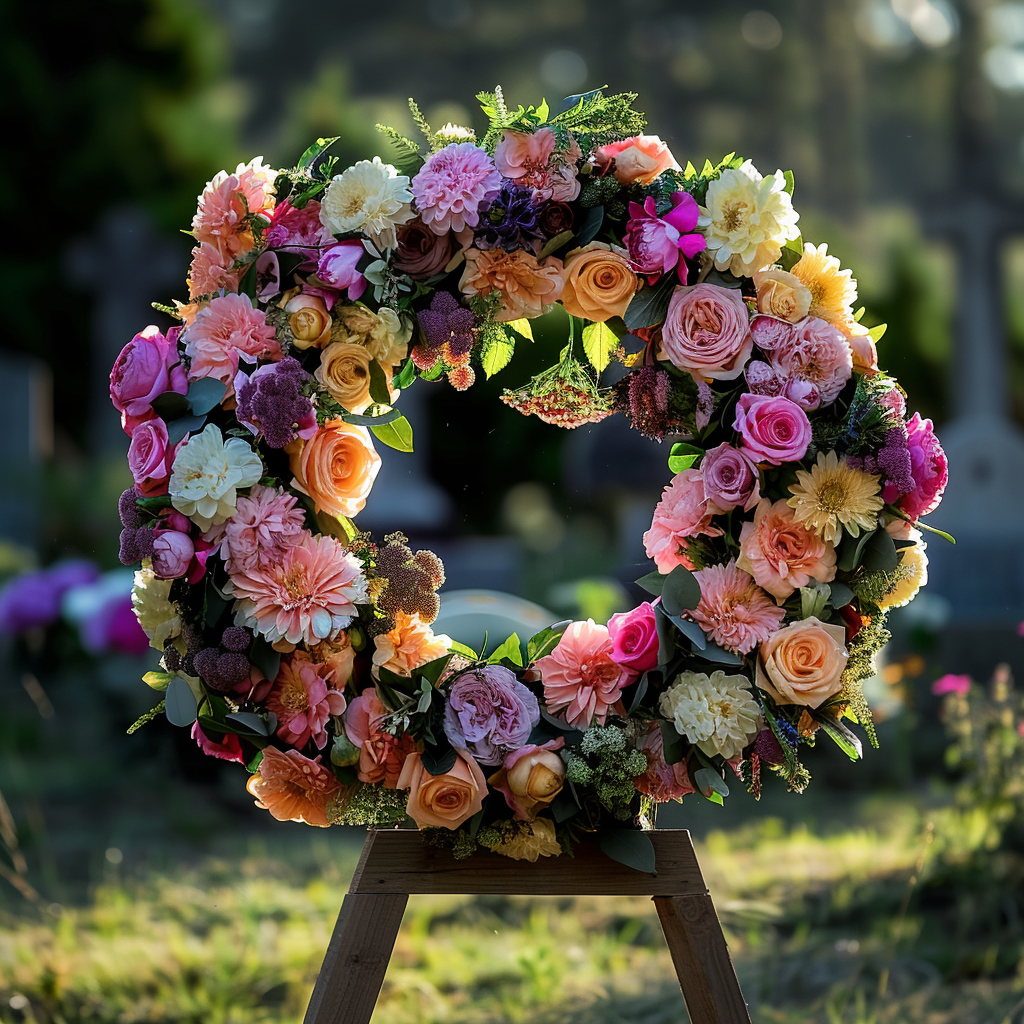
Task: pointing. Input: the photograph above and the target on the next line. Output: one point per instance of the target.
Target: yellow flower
(913, 569)
(537, 839)
(832, 497)
(833, 291)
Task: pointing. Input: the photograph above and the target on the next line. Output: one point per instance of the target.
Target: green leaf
(397, 434)
(650, 305)
(177, 429)
(265, 658)
(790, 181)
(158, 681)
(631, 847)
(879, 553)
(565, 805)
(250, 722)
(431, 671)
(599, 342)
(437, 762)
(719, 655)
(653, 583)
(875, 334)
(462, 649)
(496, 352)
(666, 636)
(542, 111)
(708, 782)
(180, 703)
(587, 229)
(205, 394)
(847, 741)
(170, 405)
(813, 600)
(683, 456)
(510, 649)
(674, 743)
(691, 631)
(841, 595)
(851, 550)
(544, 642)
(310, 156)
(379, 390)
(681, 592)
(554, 243)
(406, 375)
(522, 327)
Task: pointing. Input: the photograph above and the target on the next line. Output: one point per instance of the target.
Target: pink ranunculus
(172, 554)
(148, 366)
(381, 755)
(682, 512)
(929, 468)
(580, 677)
(298, 231)
(639, 159)
(707, 331)
(151, 457)
(774, 430)
(662, 781)
(529, 159)
(731, 479)
(228, 749)
(960, 685)
(634, 636)
(654, 242)
(337, 267)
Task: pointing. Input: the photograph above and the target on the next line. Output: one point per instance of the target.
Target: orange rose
(310, 322)
(803, 663)
(531, 779)
(336, 468)
(443, 801)
(782, 294)
(345, 371)
(599, 282)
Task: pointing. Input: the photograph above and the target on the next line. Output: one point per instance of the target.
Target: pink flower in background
(451, 185)
(733, 611)
(640, 159)
(381, 755)
(731, 479)
(298, 231)
(529, 159)
(151, 457)
(1020, 629)
(960, 685)
(634, 636)
(337, 267)
(580, 676)
(209, 273)
(774, 430)
(146, 367)
(303, 701)
(265, 523)
(928, 466)
(662, 781)
(228, 329)
(655, 243)
(707, 332)
(682, 512)
(172, 554)
(229, 748)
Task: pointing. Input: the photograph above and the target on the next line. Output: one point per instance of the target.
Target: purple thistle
(271, 402)
(509, 220)
(221, 671)
(447, 323)
(136, 544)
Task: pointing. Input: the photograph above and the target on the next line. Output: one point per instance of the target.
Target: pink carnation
(298, 231)
(227, 330)
(811, 352)
(303, 701)
(529, 159)
(580, 675)
(774, 430)
(662, 781)
(264, 524)
(655, 243)
(681, 513)
(451, 185)
(929, 468)
(733, 611)
(210, 273)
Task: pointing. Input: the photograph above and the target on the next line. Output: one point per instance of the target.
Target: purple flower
(172, 554)
(271, 402)
(655, 242)
(894, 463)
(490, 713)
(731, 479)
(510, 221)
(447, 323)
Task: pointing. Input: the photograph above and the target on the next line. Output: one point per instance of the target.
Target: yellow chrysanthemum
(833, 497)
(913, 576)
(833, 291)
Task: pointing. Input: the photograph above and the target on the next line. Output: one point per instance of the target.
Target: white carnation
(370, 197)
(151, 603)
(717, 713)
(207, 475)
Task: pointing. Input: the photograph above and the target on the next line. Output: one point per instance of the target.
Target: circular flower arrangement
(294, 644)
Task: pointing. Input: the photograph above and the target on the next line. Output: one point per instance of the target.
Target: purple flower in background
(510, 220)
(447, 323)
(32, 600)
(490, 713)
(271, 402)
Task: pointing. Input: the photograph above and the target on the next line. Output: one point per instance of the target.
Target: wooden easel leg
(703, 965)
(353, 970)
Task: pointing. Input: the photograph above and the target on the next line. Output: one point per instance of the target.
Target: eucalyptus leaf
(359, 420)
(719, 655)
(265, 658)
(674, 744)
(639, 692)
(437, 762)
(841, 595)
(249, 721)
(880, 554)
(631, 847)
(205, 394)
(666, 639)
(709, 781)
(178, 428)
(681, 592)
(691, 631)
(170, 405)
(650, 305)
(180, 703)
(653, 583)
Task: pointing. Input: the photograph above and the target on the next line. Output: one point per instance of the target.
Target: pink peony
(298, 231)
(264, 524)
(682, 512)
(782, 554)
(451, 185)
(172, 554)
(337, 267)
(227, 749)
(731, 479)
(654, 242)
(147, 366)
(662, 781)
(209, 274)
(381, 755)
(811, 352)
(928, 466)
(733, 611)
(639, 159)
(308, 594)
(634, 636)
(960, 685)
(580, 675)
(529, 159)
(774, 430)
(151, 457)
(226, 204)
(303, 701)
(227, 330)
(707, 332)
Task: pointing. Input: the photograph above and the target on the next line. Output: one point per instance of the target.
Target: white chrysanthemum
(158, 618)
(537, 839)
(717, 713)
(370, 197)
(747, 219)
(450, 133)
(207, 475)
(914, 573)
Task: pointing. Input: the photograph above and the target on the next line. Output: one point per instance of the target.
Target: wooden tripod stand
(396, 864)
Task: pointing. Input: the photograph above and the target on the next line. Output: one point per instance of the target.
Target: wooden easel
(396, 864)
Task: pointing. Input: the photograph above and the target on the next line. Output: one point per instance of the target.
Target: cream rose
(599, 282)
(530, 780)
(707, 331)
(336, 468)
(782, 294)
(385, 334)
(803, 663)
(345, 371)
(443, 801)
(310, 323)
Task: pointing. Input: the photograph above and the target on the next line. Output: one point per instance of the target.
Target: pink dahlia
(264, 524)
(452, 184)
(227, 330)
(530, 160)
(734, 611)
(298, 231)
(655, 243)
(682, 512)
(581, 676)
(662, 781)
(308, 594)
(303, 701)
(929, 468)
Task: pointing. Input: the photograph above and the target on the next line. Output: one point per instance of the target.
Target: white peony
(717, 713)
(370, 197)
(207, 475)
(151, 603)
(747, 219)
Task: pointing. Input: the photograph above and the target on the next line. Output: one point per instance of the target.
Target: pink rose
(731, 479)
(682, 512)
(662, 781)
(707, 331)
(530, 778)
(634, 637)
(172, 554)
(928, 466)
(639, 159)
(148, 366)
(421, 253)
(151, 457)
(774, 430)
(337, 267)
(654, 242)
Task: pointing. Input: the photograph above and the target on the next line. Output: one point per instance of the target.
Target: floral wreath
(295, 645)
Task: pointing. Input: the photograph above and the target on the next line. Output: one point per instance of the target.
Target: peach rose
(599, 282)
(310, 322)
(782, 295)
(865, 355)
(640, 159)
(803, 663)
(443, 801)
(345, 371)
(336, 468)
(527, 287)
(707, 331)
(530, 778)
